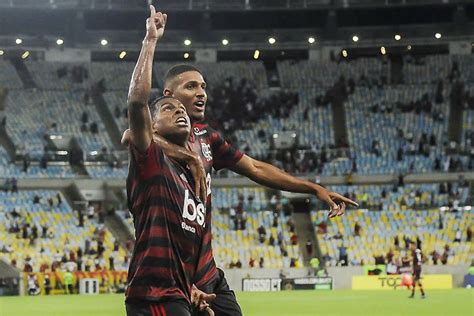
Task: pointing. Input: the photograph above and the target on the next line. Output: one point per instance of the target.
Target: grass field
(440, 302)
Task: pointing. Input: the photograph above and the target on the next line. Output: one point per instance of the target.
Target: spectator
(84, 117)
(444, 257)
(280, 238)
(435, 257)
(468, 234)
(261, 262)
(309, 248)
(294, 239)
(314, 263)
(392, 268)
(262, 233)
(94, 128)
(26, 162)
(458, 236)
(271, 241)
(407, 241)
(291, 225)
(14, 185)
(418, 242)
(90, 211)
(252, 262)
(357, 229)
(47, 284)
(470, 271)
(238, 264)
(111, 262)
(44, 161)
(68, 277)
(338, 235)
(342, 256)
(390, 255)
(322, 227)
(293, 263)
(396, 242)
(33, 287)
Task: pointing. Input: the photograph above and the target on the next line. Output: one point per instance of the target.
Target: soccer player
(186, 83)
(417, 261)
(169, 219)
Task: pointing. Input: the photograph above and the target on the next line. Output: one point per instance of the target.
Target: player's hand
(199, 175)
(155, 24)
(209, 311)
(336, 202)
(201, 300)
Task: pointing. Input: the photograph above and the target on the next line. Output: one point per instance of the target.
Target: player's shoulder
(204, 130)
(200, 129)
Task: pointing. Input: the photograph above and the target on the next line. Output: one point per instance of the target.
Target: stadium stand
(10, 170)
(38, 231)
(243, 245)
(411, 116)
(378, 230)
(408, 120)
(8, 76)
(33, 114)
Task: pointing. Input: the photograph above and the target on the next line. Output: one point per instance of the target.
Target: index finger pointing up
(152, 10)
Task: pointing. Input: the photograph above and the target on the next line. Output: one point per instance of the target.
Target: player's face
(172, 122)
(191, 91)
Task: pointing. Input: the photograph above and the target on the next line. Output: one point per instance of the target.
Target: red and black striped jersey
(215, 153)
(417, 259)
(170, 226)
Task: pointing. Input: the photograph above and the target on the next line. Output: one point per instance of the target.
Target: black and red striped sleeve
(149, 163)
(224, 155)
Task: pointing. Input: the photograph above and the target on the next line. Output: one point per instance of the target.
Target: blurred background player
(417, 261)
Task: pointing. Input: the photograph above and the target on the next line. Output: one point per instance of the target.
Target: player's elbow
(137, 97)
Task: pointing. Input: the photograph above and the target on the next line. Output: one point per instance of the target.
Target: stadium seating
(56, 75)
(9, 170)
(378, 231)
(232, 245)
(409, 196)
(304, 74)
(364, 127)
(426, 70)
(216, 73)
(117, 104)
(227, 197)
(60, 220)
(107, 172)
(8, 76)
(312, 129)
(31, 114)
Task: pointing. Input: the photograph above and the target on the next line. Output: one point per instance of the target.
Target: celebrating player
(169, 219)
(186, 83)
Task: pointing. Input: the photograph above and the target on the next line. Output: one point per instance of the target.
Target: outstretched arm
(270, 176)
(139, 118)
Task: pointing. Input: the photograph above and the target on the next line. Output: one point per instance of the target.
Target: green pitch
(297, 303)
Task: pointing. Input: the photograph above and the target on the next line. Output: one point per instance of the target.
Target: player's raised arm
(270, 176)
(139, 118)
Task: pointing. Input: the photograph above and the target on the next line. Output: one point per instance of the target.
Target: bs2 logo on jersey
(192, 212)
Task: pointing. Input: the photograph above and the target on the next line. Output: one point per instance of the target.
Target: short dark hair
(176, 70)
(154, 106)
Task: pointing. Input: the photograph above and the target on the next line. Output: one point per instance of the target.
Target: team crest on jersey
(206, 151)
(199, 132)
